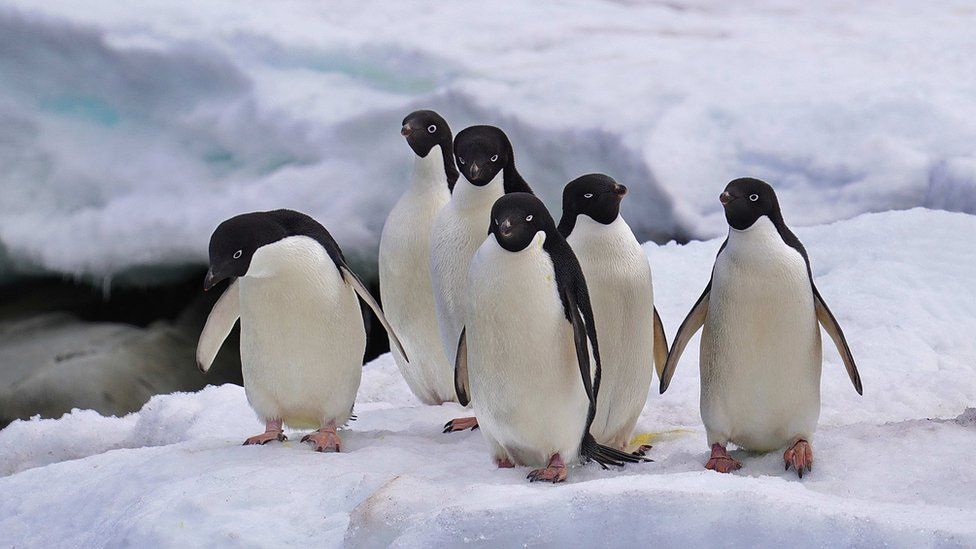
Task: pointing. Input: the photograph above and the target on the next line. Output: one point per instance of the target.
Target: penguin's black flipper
(660, 345)
(833, 329)
(692, 323)
(590, 449)
(368, 298)
(461, 370)
(582, 350)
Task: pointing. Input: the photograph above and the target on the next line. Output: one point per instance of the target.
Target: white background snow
(892, 468)
(129, 130)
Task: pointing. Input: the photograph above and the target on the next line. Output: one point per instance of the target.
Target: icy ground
(128, 130)
(893, 467)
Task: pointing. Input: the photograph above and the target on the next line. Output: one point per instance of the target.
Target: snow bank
(128, 131)
(892, 467)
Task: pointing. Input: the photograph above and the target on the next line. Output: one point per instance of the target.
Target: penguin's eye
(528, 217)
(432, 128)
(494, 158)
(460, 160)
(238, 254)
(588, 195)
(753, 197)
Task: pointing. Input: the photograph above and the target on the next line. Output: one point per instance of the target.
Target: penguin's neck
(468, 196)
(429, 172)
(593, 236)
(761, 243)
(292, 256)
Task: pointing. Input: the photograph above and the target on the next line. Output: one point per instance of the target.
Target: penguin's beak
(505, 228)
(209, 281)
(405, 130)
(725, 198)
(619, 190)
(474, 170)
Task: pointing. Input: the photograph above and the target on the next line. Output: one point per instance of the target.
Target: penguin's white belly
(524, 378)
(618, 277)
(408, 298)
(454, 240)
(760, 347)
(302, 344)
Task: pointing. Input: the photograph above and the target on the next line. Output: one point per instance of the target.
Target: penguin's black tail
(590, 449)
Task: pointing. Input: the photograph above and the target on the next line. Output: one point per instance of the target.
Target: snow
(128, 131)
(892, 467)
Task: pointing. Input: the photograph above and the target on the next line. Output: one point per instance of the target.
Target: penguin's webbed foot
(800, 456)
(554, 472)
(325, 439)
(272, 431)
(642, 450)
(460, 424)
(720, 461)
(504, 463)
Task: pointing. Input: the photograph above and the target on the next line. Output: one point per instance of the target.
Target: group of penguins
(547, 330)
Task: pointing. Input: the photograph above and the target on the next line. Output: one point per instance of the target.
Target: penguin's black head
(516, 218)
(424, 129)
(595, 195)
(481, 152)
(234, 242)
(746, 200)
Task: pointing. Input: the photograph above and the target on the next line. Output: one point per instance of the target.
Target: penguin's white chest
(524, 378)
(760, 348)
(405, 285)
(460, 228)
(618, 277)
(302, 335)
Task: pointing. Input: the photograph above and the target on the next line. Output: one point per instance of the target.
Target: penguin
(303, 333)
(761, 352)
(618, 276)
(485, 157)
(404, 258)
(524, 353)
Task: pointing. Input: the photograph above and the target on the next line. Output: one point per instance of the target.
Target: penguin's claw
(460, 424)
(554, 472)
(642, 450)
(324, 440)
(720, 461)
(800, 456)
(504, 463)
(272, 431)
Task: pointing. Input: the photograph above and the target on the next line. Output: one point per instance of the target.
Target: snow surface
(893, 467)
(129, 130)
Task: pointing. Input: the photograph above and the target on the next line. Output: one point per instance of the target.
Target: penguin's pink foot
(272, 431)
(504, 463)
(460, 424)
(554, 472)
(800, 456)
(720, 461)
(325, 439)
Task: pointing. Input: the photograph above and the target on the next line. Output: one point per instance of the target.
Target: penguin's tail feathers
(590, 449)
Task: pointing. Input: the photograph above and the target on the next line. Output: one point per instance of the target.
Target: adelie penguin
(761, 353)
(404, 258)
(523, 356)
(303, 332)
(485, 157)
(618, 276)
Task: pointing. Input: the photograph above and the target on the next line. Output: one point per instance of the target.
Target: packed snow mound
(892, 468)
(127, 132)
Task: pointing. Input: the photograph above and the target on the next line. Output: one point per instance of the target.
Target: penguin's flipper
(582, 350)
(833, 329)
(367, 297)
(461, 370)
(219, 324)
(660, 345)
(692, 323)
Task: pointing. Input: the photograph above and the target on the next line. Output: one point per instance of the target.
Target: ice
(128, 131)
(893, 468)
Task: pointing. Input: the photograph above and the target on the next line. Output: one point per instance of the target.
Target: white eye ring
(754, 197)
(461, 160)
(432, 128)
(588, 195)
(238, 254)
(494, 158)
(528, 217)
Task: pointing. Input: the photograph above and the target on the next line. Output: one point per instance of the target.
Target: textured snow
(129, 130)
(893, 468)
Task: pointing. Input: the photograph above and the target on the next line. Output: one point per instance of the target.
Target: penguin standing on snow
(522, 356)
(485, 157)
(761, 354)
(404, 258)
(302, 329)
(619, 279)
